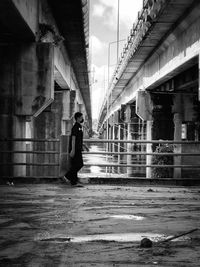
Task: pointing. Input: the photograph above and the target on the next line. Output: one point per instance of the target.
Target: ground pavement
(98, 225)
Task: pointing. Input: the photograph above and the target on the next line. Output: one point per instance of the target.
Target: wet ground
(98, 225)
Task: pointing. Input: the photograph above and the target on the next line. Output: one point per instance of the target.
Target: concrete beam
(19, 19)
(34, 79)
(180, 54)
(63, 71)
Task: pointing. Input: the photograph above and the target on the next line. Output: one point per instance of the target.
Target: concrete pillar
(19, 131)
(124, 157)
(110, 144)
(119, 146)
(149, 148)
(47, 125)
(64, 154)
(177, 109)
(7, 73)
(66, 113)
(113, 137)
(73, 104)
(107, 144)
(129, 149)
(178, 147)
(113, 145)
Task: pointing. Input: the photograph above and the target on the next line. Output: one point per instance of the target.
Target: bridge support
(177, 134)
(129, 150)
(119, 146)
(149, 148)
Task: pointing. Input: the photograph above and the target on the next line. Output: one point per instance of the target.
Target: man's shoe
(65, 179)
(77, 185)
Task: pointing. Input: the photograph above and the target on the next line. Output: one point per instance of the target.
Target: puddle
(127, 217)
(109, 207)
(123, 237)
(95, 169)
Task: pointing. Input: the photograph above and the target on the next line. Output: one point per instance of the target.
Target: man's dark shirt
(78, 133)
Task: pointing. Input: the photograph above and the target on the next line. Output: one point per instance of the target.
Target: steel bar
(104, 165)
(31, 152)
(142, 165)
(28, 164)
(140, 153)
(140, 141)
(28, 140)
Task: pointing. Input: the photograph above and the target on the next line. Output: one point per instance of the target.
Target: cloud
(99, 86)
(128, 10)
(98, 10)
(96, 45)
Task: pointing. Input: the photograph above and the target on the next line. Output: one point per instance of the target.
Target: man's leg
(76, 165)
(73, 177)
(67, 176)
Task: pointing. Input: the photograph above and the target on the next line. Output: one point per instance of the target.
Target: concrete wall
(7, 97)
(34, 87)
(48, 126)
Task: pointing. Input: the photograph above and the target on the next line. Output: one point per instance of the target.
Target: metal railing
(138, 162)
(29, 157)
(41, 157)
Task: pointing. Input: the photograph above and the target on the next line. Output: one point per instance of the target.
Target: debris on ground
(150, 190)
(146, 243)
(177, 236)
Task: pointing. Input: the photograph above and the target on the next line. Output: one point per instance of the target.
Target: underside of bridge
(72, 18)
(44, 74)
(158, 78)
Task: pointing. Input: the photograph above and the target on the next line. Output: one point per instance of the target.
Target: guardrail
(29, 157)
(129, 155)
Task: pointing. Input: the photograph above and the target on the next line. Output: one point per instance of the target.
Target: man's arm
(72, 152)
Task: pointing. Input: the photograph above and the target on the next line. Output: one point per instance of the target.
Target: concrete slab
(98, 225)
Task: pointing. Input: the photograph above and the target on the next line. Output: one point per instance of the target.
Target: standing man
(75, 150)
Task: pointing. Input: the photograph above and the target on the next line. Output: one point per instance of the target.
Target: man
(75, 150)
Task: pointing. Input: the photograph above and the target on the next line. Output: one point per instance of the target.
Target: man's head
(79, 117)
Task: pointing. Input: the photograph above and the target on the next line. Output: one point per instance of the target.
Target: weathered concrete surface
(40, 225)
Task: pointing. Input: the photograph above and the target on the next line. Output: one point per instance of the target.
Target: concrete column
(129, 149)
(72, 103)
(149, 148)
(177, 110)
(48, 126)
(113, 145)
(124, 157)
(110, 144)
(64, 154)
(119, 146)
(19, 131)
(66, 113)
(107, 144)
(178, 147)
(113, 137)
(7, 71)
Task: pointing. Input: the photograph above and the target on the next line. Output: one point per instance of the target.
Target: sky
(103, 34)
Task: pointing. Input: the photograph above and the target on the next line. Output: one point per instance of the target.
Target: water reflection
(99, 159)
(114, 237)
